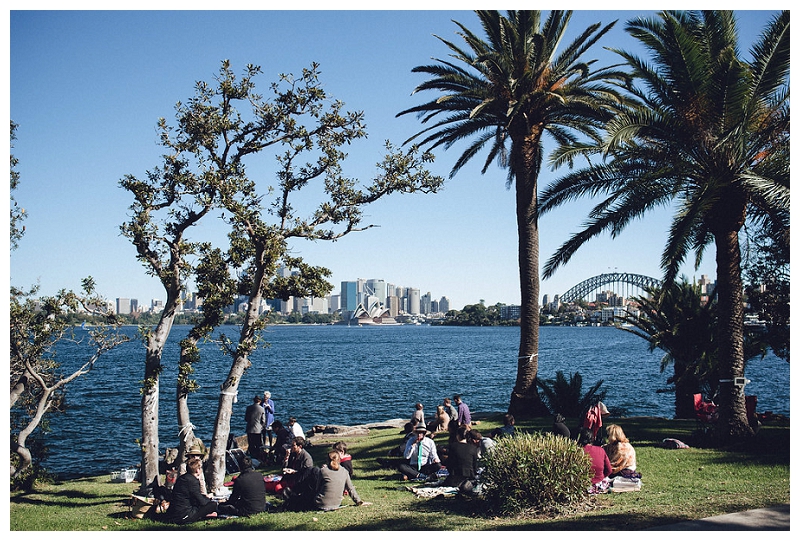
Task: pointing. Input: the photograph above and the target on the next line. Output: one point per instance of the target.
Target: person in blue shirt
(269, 409)
(464, 416)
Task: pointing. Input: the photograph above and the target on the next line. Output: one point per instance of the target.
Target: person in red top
(601, 465)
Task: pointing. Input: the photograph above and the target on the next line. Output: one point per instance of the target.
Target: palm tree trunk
(525, 399)
(732, 423)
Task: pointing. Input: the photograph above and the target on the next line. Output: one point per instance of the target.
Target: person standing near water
(256, 419)
(269, 410)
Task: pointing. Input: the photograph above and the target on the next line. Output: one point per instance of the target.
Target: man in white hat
(421, 455)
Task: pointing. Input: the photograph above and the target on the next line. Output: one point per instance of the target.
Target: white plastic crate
(123, 476)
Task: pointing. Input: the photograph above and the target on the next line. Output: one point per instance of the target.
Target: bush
(543, 473)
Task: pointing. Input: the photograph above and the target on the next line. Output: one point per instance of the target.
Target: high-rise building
(393, 304)
(123, 306)
(376, 288)
(349, 296)
(425, 303)
(444, 305)
(413, 301)
(334, 304)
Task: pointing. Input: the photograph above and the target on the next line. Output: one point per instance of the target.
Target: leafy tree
(566, 396)
(17, 212)
(170, 200)
(767, 289)
(37, 384)
(676, 320)
(507, 92)
(709, 133)
(227, 122)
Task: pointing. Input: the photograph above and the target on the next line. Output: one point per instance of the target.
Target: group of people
(304, 487)
(616, 457)
(418, 457)
(268, 440)
(455, 411)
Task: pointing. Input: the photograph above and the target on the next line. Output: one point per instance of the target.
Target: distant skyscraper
(123, 306)
(378, 289)
(393, 304)
(413, 301)
(545, 300)
(425, 303)
(349, 296)
(444, 305)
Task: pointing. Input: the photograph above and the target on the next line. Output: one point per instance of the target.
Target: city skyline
(119, 71)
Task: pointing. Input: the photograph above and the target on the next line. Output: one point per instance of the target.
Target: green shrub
(543, 473)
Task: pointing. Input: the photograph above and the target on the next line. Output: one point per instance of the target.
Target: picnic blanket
(432, 492)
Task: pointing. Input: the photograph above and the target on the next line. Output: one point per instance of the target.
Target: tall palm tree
(507, 91)
(710, 135)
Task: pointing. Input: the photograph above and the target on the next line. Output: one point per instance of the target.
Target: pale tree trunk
(185, 427)
(525, 399)
(150, 392)
(20, 445)
(215, 467)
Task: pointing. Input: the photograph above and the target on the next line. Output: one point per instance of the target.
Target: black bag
(233, 461)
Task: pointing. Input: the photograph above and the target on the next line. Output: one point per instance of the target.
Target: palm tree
(677, 321)
(709, 134)
(509, 90)
(566, 396)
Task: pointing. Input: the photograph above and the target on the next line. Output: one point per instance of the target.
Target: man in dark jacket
(249, 494)
(187, 504)
(256, 420)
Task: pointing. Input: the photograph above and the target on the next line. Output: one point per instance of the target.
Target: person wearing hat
(196, 450)
(421, 456)
(256, 420)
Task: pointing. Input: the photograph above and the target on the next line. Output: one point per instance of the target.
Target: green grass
(678, 484)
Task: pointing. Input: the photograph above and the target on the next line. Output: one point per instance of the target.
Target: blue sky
(87, 89)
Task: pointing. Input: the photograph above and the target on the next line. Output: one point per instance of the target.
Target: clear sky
(87, 89)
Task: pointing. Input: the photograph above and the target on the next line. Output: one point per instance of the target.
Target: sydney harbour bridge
(622, 284)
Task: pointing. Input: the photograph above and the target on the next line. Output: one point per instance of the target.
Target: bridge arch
(622, 284)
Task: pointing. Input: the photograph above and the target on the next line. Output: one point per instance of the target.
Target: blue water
(354, 375)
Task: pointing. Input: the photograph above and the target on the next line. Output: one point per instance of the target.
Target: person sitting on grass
(298, 466)
(601, 466)
(507, 429)
(334, 482)
(620, 451)
(187, 504)
(345, 460)
(462, 459)
(249, 494)
(421, 455)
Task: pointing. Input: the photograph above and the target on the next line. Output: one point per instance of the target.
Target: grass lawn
(677, 485)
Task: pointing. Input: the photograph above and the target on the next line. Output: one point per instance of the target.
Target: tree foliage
(708, 133)
(37, 325)
(212, 150)
(505, 92)
(566, 396)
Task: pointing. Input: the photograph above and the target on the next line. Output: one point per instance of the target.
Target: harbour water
(333, 374)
